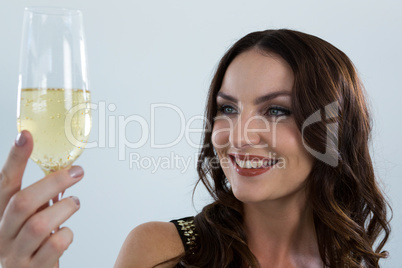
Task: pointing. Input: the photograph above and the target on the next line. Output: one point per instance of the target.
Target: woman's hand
(26, 221)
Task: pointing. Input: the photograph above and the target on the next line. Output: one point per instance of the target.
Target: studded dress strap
(186, 229)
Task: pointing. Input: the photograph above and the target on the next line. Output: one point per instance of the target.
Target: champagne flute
(53, 95)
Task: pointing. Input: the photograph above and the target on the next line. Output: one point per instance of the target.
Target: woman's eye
(227, 109)
(277, 111)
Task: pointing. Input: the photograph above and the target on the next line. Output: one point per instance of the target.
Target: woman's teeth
(254, 164)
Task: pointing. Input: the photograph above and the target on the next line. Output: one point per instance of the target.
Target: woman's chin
(252, 196)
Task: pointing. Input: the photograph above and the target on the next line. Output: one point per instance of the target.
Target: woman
(293, 186)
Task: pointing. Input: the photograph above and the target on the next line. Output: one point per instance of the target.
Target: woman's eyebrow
(226, 97)
(259, 100)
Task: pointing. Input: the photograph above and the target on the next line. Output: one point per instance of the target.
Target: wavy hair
(349, 208)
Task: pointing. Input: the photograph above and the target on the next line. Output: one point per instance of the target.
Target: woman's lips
(251, 165)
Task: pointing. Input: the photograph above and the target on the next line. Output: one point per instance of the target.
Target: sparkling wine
(59, 121)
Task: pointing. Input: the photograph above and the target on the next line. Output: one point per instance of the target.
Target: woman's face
(255, 136)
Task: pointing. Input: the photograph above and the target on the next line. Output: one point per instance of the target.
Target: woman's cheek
(284, 137)
(220, 134)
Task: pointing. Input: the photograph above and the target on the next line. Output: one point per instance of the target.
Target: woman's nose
(247, 131)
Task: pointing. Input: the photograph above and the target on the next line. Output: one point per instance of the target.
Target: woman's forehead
(256, 74)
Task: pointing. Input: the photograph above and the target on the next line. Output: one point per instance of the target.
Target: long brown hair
(349, 209)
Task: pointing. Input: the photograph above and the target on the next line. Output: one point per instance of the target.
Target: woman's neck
(281, 232)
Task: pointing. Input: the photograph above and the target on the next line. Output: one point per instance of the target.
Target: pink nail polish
(76, 200)
(76, 171)
(20, 140)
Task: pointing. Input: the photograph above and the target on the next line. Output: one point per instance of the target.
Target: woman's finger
(40, 225)
(26, 202)
(52, 249)
(11, 174)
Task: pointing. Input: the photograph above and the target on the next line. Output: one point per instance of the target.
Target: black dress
(186, 228)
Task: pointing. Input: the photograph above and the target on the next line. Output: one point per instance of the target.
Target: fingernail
(76, 171)
(20, 140)
(76, 200)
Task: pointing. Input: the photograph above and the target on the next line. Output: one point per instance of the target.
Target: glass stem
(51, 202)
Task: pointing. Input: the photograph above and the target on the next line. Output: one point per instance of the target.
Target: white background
(144, 52)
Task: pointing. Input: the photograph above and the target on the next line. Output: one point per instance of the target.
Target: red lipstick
(250, 172)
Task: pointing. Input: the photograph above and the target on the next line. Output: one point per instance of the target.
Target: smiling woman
(276, 204)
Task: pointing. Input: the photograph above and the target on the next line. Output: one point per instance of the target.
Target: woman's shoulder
(151, 243)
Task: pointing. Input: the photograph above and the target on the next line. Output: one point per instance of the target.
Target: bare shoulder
(149, 244)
